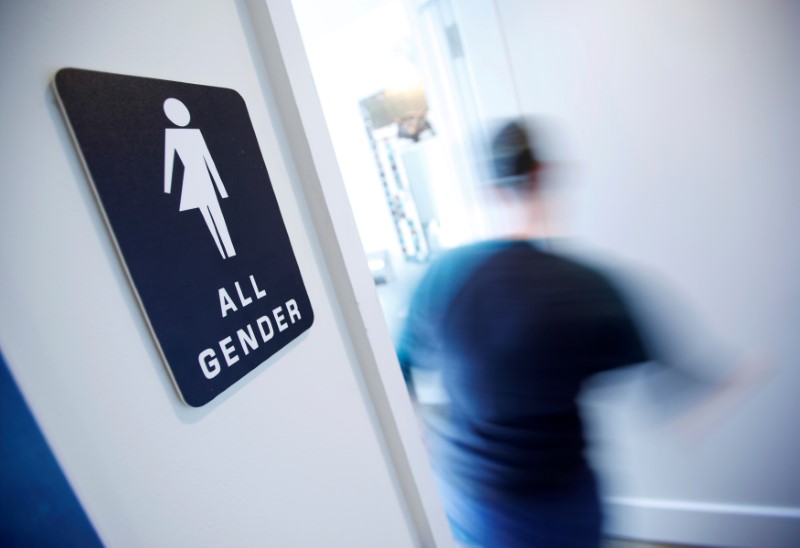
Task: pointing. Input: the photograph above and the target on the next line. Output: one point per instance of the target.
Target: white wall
(683, 120)
(293, 455)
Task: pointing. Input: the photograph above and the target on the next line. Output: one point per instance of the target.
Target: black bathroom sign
(185, 192)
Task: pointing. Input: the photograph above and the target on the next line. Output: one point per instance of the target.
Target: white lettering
(291, 306)
(259, 292)
(277, 313)
(247, 338)
(261, 321)
(228, 351)
(225, 302)
(209, 363)
(242, 299)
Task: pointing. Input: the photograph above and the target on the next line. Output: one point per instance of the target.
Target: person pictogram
(199, 174)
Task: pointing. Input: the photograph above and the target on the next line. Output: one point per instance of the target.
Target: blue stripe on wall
(37, 504)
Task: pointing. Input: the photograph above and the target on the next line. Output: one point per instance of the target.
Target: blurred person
(515, 330)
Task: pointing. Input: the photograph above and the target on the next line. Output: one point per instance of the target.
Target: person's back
(515, 332)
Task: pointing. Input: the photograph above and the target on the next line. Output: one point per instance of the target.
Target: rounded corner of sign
(58, 78)
(193, 403)
(238, 97)
(311, 317)
(189, 400)
(61, 74)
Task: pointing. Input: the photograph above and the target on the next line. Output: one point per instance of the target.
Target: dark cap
(512, 156)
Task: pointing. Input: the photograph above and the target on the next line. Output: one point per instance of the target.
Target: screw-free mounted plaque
(183, 187)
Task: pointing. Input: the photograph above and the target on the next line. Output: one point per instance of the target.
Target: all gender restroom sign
(183, 187)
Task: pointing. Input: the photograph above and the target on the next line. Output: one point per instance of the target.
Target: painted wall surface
(289, 456)
(681, 121)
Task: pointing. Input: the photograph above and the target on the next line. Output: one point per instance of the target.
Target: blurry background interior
(672, 129)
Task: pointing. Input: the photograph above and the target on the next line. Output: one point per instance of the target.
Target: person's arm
(417, 344)
(695, 380)
(721, 399)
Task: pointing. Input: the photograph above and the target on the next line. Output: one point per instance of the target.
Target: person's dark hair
(513, 157)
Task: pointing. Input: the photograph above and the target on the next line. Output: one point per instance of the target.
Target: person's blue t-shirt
(515, 331)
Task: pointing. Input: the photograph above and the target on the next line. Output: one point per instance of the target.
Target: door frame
(283, 56)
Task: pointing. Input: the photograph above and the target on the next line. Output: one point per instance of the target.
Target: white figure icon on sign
(199, 174)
